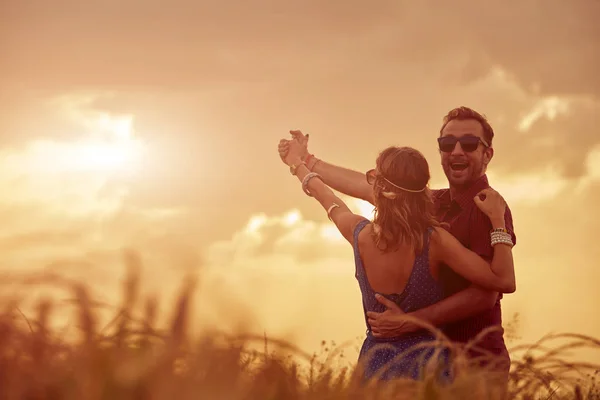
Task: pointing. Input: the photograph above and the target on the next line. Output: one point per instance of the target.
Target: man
(465, 144)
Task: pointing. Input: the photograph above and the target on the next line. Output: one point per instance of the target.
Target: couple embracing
(443, 257)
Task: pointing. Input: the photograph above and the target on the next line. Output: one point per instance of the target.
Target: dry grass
(131, 359)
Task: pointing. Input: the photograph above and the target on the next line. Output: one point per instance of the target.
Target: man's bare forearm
(461, 305)
(346, 181)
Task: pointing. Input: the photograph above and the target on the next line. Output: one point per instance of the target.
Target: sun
(116, 149)
(108, 146)
(104, 142)
(88, 170)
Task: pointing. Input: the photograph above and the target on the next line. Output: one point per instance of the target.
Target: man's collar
(465, 197)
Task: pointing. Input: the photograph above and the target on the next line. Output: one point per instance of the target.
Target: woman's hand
(493, 205)
(295, 152)
(284, 146)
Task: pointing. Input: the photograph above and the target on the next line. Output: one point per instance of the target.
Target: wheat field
(133, 358)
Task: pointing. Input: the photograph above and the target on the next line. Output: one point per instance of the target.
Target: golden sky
(155, 126)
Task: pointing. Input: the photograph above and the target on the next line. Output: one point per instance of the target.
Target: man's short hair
(464, 113)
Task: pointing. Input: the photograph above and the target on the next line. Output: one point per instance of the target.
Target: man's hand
(391, 322)
(284, 145)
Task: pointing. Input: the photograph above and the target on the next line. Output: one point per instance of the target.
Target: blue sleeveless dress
(392, 357)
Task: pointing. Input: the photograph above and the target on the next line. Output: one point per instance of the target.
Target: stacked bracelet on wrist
(307, 179)
(501, 236)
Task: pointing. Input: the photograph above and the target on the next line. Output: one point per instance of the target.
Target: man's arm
(464, 304)
(461, 305)
(349, 182)
(346, 181)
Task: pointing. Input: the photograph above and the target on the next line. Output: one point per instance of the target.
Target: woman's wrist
(295, 161)
(498, 223)
(294, 164)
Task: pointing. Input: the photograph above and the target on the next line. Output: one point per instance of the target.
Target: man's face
(461, 166)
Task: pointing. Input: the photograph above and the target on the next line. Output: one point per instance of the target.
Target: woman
(399, 253)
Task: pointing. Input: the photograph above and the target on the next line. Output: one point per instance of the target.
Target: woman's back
(386, 272)
(400, 274)
(404, 278)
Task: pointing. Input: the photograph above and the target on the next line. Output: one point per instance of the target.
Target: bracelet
(294, 167)
(499, 237)
(506, 242)
(312, 166)
(330, 209)
(316, 162)
(499, 230)
(305, 181)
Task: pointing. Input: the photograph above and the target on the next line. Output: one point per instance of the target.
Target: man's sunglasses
(467, 143)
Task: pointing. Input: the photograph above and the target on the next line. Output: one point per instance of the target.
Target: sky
(139, 125)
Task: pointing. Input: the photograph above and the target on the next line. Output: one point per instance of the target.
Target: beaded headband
(402, 188)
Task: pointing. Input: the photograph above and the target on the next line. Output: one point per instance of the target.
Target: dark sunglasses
(467, 143)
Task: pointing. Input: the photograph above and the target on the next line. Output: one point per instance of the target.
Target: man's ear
(488, 154)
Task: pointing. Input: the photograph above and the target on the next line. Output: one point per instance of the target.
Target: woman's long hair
(402, 216)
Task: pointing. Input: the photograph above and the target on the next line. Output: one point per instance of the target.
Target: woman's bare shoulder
(366, 231)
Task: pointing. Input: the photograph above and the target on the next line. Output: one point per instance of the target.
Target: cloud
(289, 237)
(554, 133)
(65, 206)
(193, 44)
(292, 273)
(73, 177)
(550, 55)
(338, 69)
(593, 163)
(548, 107)
(531, 188)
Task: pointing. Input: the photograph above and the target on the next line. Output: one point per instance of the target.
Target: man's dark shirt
(472, 228)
